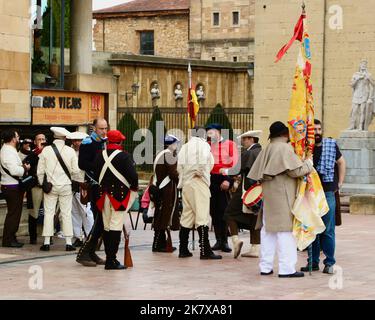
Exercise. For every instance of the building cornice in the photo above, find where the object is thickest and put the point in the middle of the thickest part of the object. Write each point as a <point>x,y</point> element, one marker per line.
<point>182,64</point>
<point>139,14</point>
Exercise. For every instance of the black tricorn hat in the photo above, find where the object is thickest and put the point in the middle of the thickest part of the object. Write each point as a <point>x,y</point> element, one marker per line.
<point>278,129</point>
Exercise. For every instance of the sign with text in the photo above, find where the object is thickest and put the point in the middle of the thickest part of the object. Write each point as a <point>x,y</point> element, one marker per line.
<point>67,107</point>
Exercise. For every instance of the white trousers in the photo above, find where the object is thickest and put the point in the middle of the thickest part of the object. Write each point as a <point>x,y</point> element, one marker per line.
<point>112,220</point>
<point>196,204</point>
<point>81,216</point>
<point>286,246</point>
<point>63,195</point>
<point>37,197</point>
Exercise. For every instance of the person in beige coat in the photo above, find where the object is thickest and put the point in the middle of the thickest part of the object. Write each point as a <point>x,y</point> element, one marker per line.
<point>278,169</point>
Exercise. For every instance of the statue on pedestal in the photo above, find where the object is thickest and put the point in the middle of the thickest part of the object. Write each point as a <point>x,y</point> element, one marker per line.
<point>200,95</point>
<point>178,97</point>
<point>363,99</point>
<point>155,94</point>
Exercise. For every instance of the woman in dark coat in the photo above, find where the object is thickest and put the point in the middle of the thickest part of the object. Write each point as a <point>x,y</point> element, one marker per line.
<point>166,216</point>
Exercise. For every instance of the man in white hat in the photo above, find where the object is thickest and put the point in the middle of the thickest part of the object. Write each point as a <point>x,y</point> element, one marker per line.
<point>236,215</point>
<point>61,180</point>
<point>82,215</point>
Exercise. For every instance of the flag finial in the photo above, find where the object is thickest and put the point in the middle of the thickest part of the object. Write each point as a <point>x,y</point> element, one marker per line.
<point>303,6</point>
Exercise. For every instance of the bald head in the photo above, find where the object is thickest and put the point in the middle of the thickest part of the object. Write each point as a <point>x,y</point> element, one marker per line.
<point>101,127</point>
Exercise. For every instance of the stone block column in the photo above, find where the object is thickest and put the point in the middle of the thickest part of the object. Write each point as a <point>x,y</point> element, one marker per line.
<point>81,37</point>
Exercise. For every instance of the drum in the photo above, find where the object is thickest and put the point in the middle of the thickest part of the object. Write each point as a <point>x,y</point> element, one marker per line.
<point>253,198</point>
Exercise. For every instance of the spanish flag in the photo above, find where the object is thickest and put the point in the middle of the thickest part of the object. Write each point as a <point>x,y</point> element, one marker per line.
<point>311,203</point>
<point>193,107</point>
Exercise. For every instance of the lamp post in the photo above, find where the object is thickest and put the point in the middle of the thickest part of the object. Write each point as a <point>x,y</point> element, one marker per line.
<point>130,95</point>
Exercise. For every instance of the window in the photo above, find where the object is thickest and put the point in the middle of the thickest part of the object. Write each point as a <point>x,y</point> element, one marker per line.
<point>235,59</point>
<point>213,58</point>
<point>147,42</point>
<point>51,31</point>
<point>216,19</point>
<point>235,18</point>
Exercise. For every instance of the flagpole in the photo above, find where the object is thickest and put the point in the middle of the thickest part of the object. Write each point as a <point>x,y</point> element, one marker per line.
<point>309,249</point>
<point>190,84</point>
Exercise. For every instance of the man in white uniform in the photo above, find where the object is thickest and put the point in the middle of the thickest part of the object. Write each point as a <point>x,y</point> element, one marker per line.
<point>81,214</point>
<point>194,165</point>
<point>61,185</point>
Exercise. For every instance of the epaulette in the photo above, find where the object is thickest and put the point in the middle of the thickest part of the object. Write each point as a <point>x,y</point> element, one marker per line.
<point>87,140</point>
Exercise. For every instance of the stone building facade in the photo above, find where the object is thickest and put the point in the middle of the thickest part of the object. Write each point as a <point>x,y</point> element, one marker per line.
<point>220,30</point>
<point>14,61</point>
<point>226,83</point>
<point>119,29</point>
<point>342,33</point>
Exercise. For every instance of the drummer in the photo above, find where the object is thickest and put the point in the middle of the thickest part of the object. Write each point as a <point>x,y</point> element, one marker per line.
<point>236,215</point>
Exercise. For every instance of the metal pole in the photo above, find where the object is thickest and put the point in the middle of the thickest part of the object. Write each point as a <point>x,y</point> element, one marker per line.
<point>310,258</point>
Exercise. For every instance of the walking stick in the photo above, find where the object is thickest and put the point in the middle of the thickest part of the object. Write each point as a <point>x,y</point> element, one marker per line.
<point>128,261</point>
<point>310,258</point>
<point>169,241</point>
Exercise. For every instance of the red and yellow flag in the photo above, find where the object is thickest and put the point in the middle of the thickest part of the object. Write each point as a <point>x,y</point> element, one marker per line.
<point>310,204</point>
<point>193,107</point>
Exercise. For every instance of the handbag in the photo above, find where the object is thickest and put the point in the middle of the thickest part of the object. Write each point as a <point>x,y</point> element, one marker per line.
<point>46,186</point>
<point>25,183</point>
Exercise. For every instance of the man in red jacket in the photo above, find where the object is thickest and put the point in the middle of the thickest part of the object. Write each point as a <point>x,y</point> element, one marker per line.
<point>226,156</point>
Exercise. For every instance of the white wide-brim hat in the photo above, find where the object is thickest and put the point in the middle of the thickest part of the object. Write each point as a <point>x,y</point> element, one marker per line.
<point>60,132</point>
<point>251,134</point>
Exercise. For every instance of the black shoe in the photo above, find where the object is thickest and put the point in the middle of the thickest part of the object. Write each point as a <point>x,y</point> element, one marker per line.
<point>44,247</point>
<point>114,265</point>
<point>329,270</point>
<point>185,254</point>
<point>216,246</point>
<point>293,275</point>
<point>212,256</point>
<point>307,269</point>
<point>78,243</point>
<point>225,247</point>
<point>13,244</point>
<point>266,273</point>
<point>69,247</point>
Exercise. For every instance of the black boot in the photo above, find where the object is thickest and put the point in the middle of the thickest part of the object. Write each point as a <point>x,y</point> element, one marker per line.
<point>83,256</point>
<point>33,229</point>
<point>224,244</point>
<point>160,241</point>
<point>217,245</point>
<point>204,243</point>
<point>184,242</point>
<point>113,242</point>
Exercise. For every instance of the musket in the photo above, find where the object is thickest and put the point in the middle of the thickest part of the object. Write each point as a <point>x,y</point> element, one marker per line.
<point>128,261</point>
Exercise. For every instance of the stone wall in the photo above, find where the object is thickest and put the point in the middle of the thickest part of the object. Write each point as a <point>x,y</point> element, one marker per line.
<point>336,54</point>
<point>226,41</point>
<point>122,35</point>
<point>14,61</point>
<point>226,83</point>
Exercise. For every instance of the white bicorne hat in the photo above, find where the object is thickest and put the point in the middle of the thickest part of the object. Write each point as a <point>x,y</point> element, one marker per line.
<point>251,134</point>
<point>77,135</point>
<point>60,132</point>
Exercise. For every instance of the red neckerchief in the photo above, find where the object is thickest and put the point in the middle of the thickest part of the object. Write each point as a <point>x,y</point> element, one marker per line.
<point>38,151</point>
<point>114,146</point>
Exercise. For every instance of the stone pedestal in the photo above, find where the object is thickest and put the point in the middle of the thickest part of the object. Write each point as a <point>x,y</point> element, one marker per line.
<point>362,204</point>
<point>358,149</point>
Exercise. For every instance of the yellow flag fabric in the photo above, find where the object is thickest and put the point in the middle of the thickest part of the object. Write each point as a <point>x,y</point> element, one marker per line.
<point>311,203</point>
<point>193,107</point>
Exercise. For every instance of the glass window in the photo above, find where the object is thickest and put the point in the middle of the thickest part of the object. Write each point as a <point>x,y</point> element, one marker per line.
<point>51,29</point>
<point>213,58</point>
<point>236,18</point>
<point>216,19</point>
<point>147,42</point>
<point>235,59</point>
